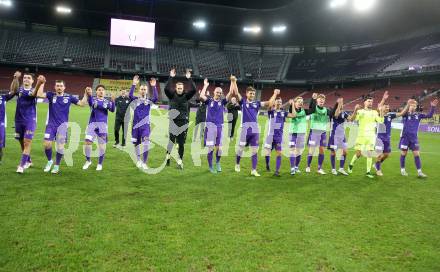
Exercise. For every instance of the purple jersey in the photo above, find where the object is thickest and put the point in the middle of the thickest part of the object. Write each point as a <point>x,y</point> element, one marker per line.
<point>3,99</point>
<point>249,110</point>
<point>100,108</point>
<point>338,123</point>
<point>384,130</point>
<point>411,122</point>
<point>26,110</point>
<point>277,118</point>
<point>142,107</point>
<point>59,107</point>
<point>215,110</point>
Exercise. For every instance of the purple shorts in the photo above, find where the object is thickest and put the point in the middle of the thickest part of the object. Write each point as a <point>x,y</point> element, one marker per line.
<point>411,143</point>
<point>249,137</point>
<point>274,143</point>
<point>336,142</point>
<point>25,130</point>
<point>2,136</point>
<point>94,132</point>
<point>213,136</point>
<point>297,140</point>
<point>317,138</point>
<point>383,145</point>
<point>53,133</point>
<point>140,134</point>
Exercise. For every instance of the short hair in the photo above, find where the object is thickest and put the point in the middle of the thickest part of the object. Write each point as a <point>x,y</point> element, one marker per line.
<point>60,81</point>
<point>250,89</point>
<point>29,74</point>
<point>100,86</point>
<point>321,96</point>
<point>179,82</point>
<point>367,97</point>
<point>298,98</point>
<point>278,98</point>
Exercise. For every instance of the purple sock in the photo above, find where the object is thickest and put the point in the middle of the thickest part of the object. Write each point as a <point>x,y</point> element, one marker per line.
<point>137,149</point>
<point>254,161</point>
<point>237,161</point>
<point>342,162</point>
<point>145,154</point>
<point>101,156</point>
<point>210,155</point>
<point>88,151</point>
<point>418,162</point>
<point>58,157</point>
<point>267,162</point>
<point>24,159</point>
<point>297,160</point>
<point>378,165</point>
<point>309,160</point>
<point>218,156</point>
<point>292,161</point>
<point>278,163</point>
<point>29,159</point>
<point>48,153</point>
<point>333,161</point>
<point>320,160</point>
<point>402,161</point>
<point>101,159</point>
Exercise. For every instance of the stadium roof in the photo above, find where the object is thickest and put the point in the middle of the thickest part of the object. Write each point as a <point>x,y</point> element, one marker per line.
<point>308,21</point>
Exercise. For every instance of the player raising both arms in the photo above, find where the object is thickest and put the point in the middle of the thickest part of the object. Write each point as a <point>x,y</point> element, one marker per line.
<point>215,108</point>
<point>26,115</point>
<point>383,142</point>
<point>178,114</point>
<point>319,119</point>
<point>337,140</point>
<point>409,137</point>
<point>298,130</point>
<point>3,121</point>
<point>368,118</point>
<point>56,125</point>
<point>140,133</point>
<point>274,140</point>
<point>250,131</point>
<point>97,128</point>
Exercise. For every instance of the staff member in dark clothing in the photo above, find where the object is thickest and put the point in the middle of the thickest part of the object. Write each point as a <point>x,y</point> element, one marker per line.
<point>200,118</point>
<point>178,114</point>
<point>121,103</point>
<point>233,108</point>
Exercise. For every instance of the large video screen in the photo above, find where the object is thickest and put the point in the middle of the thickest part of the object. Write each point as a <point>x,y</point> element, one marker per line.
<point>132,33</point>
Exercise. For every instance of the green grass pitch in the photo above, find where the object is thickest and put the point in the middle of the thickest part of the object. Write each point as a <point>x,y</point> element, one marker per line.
<point>125,220</point>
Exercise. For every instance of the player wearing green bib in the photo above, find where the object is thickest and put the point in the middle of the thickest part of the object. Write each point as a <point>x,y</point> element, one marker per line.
<point>319,120</point>
<point>367,119</point>
<point>298,130</point>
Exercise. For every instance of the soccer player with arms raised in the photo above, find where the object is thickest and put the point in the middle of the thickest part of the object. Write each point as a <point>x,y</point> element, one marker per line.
<point>140,133</point>
<point>367,119</point>
<point>3,121</point>
<point>383,142</point>
<point>97,128</point>
<point>298,130</point>
<point>215,108</point>
<point>56,125</point>
<point>26,115</point>
<point>337,140</point>
<point>319,119</point>
<point>409,139</point>
<point>250,131</point>
<point>178,113</point>
<point>274,140</point>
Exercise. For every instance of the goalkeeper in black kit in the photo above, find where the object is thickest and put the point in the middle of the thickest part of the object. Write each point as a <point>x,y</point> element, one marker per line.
<point>178,113</point>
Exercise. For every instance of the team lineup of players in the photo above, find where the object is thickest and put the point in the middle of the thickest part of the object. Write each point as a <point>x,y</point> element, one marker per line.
<point>372,136</point>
